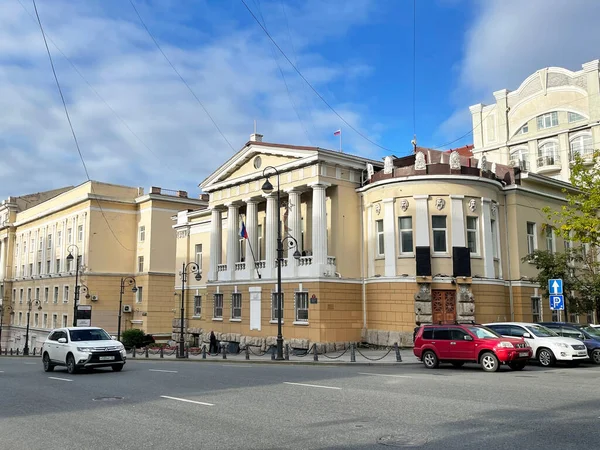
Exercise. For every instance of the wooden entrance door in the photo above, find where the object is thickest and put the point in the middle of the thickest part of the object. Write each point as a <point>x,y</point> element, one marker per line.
<point>443,306</point>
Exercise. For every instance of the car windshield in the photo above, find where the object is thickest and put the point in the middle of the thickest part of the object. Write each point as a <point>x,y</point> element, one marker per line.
<point>591,332</point>
<point>483,333</point>
<point>541,331</point>
<point>96,334</point>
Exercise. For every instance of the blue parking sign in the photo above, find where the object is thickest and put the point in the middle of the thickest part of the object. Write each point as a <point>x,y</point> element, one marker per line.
<point>557,302</point>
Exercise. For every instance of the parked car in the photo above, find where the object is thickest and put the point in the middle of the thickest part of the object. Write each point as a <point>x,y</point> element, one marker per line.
<point>548,347</point>
<point>589,335</point>
<point>461,343</point>
<point>81,347</point>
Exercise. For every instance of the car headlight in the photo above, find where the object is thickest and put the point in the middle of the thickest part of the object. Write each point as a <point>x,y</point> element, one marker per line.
<point>85,349</point>
<point>505,344</point>
<point>561,344</point>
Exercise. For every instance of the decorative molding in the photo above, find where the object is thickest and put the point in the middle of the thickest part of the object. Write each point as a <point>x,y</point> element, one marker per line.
<point>454,161</point>
<point>440,203</point>
<point>420,161</point>
<point>378,208</point>
<point>472,205</point>
<point>182,234</point>
<point>404,204</point>
<point>388,165</point>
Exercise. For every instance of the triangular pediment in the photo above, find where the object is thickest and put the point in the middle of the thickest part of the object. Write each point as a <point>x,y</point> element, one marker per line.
<point>252,160</point>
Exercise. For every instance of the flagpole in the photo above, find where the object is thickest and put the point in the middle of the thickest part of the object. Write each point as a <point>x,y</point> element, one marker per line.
<point>341,141</point>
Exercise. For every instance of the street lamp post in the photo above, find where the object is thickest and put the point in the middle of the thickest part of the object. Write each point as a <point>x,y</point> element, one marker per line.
<point>131,282</point>
<point>194,269</point>
<point>30,302</point>
<point>2,309</point>
<point>76,301</point>
<point>267,188</point>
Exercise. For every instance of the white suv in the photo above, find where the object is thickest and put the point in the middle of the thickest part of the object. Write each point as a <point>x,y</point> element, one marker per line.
<point>547,346</point>
<point>81,347</point>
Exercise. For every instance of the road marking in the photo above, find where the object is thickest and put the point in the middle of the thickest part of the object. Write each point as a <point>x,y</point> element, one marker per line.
<point>239,365</point>
<point>161,370</point>
<point>1,371</point>
<point>312,385</point>
<point>384,375</point>
<point>60,379</point>
<point>30,364</point>
<point>186,400</point>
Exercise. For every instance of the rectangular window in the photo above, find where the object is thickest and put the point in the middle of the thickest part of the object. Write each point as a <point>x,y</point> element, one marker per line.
<point>573,317</point>
<point>54,321</point>
<point>406,234</point>
<point>49,240</point>
<point>45,321</point>
<point>236,305</point>
<point>140,263</point>
<point>197,305</point>
<point>59,238</point>
<point>37,294</point>
<point>380,237</point>
<point>55,300</point>
<point>80,233</point>
<point>554,316</point>
<point>64,320</point>
<point>41,244</point>
<point>36,319</point>
<point>139,295</point>
<point>20,317</point>
<point>14,295</point>
<point>242,249</point>
<point>590,317</point>
<point>536,309</point>
<point>259,250</point>
<point>218,306</point>
<point>31,247</point>
<point>46,294</point>
<point>28,294</point>
<point>48,263</point>
<point>66,294</point>
<point>39,268</point>
<point>69,235</point>
<point>274,308</point>
<point>57,265</point>
<point>550,243</point>
<point>198,257</point>
<point>30,269</point>
<point>23,274</point>
<point>547,120</point>
<point>301,306</point>
<point>531,244</point>
<point>142,233</point>
<point>69,264</point>
<point>438,225</point>
<point>494,228</point>
<point>21,295</point>
<point>472,235</point>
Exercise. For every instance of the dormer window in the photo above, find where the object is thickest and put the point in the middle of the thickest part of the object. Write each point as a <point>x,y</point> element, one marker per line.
<point>548,120</point>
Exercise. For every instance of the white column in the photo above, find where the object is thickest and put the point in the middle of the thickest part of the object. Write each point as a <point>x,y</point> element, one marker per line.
<point>2,260</point>
<point>64,246</point>
<point>271,235</point>
<point>457,221</point>
<point>294,217</point>
<point>252,230</point>
<point>319,224</point>
<point>370,243</point>
<point>233,237</point>
<point>486,232</point>
<point>216,228</point>
<point>421,220</point>
<point>389,237</point>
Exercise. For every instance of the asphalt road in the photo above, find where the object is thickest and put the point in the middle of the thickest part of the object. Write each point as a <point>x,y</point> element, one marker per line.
<point>190,405</point>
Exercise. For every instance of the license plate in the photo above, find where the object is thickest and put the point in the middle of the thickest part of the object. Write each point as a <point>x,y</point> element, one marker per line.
<point>582,353</point>
<point>106,358</point>
<point>523,354</point>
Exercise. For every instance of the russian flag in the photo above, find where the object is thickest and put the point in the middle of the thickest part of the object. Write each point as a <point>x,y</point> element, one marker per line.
<point>337,133</point>
<point>243,232</point>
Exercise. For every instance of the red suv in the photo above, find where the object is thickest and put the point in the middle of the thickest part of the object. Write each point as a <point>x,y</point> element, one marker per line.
<point>461,343</point>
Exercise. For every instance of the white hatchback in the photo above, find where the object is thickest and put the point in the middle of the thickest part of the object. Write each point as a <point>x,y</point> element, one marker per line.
<point>80,347</point>
<point>548,347</point>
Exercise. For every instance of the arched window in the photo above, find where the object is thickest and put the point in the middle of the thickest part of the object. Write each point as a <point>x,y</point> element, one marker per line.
<point>548,154</point>
<point>519,157</point>
<point>582,145</point>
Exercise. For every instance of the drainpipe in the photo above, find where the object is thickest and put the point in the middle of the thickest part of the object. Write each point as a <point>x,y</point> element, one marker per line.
<point>510,285</point>
<point>362,261</point>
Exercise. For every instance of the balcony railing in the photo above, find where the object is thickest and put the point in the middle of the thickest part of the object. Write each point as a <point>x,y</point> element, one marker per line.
<point>260,264</point>
<point>548,160</point>
<point>331,260</point>
<point>586,153</point>
<point>305,261</point>
<point>240,266</point>
<point>222,268</point>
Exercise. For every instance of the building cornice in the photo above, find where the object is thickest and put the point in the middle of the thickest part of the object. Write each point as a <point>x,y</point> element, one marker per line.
<point>460,179</point>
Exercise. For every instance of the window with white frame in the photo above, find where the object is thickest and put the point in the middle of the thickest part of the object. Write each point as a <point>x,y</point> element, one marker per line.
<point>14,295</point>
<point>55,300</point>
<point>380,237</point>
<point>547,120</point>
<point>59,238</point>
<point>274,309</point>
<point>550,242</point>
<point>524,129</point>
<point>41,244</point>
<point>39,268</point>
<point>80,233</point>
<point>236,305</point>
<point>259,251</point>
<point>575,117</point>
<point>197,305</point>
<point>65,294</point>
<point>494,227</point>
<point>36,319</point>
<point>28,294</point>
<point>46,294</point>
<point>301,306</point>
<point>49,241</point>
<point>198,253</point>
<point>21,295</point>
<point>520,157</point>
<point>590,317</point>
<point>531,238</point>
<point>139,295</point>
<point>548,154</point>
<point>438,226</point>
<point>142,233</point>
<point>54,321</point>
<point>64,320</point>
<point>48,264</point>
<point>45,321</point>
<point>472,235</point>
<point>536,309</point>
<point>582,145</point>
<point>69,235</point>
<point>218,306</point>
<point>140,264</point>
<point>37,294</point>
<point>57,265</point>
<point>30,269</point>
<point>20,317</point>
<point>31,248</point>
<point>242,249</point>
<point>406,234</point>
<point>573,317</point>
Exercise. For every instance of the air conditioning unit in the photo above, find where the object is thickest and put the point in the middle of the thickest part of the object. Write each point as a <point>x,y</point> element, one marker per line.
<point>94,298</point>
<point>126,308</point>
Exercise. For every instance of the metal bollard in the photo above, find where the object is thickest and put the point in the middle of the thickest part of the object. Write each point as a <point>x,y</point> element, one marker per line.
<point>352,353</point>
<point>315,354</point>
<point>204,352</point>
<point>272,353</point>
<point>397,349</point>
<point>187,351</point>
<point>162,352</point>
<point>224,349</point>
<point>287,352</point>
<point>17,352</point>
<point>33,351</point>
<point>133,354</point>
<point>247,352</point>
<point>146,352</point>
<point>11,351</point>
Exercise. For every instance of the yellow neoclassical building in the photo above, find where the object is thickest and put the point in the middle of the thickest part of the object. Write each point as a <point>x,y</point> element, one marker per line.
<point>113,233</point>
<point>429,237</point>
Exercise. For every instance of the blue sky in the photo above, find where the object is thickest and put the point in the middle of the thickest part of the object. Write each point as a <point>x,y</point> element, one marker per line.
<point>145,128</point>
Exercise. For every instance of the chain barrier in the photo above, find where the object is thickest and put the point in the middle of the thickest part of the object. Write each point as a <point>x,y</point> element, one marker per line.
<point>249,347</point>
<point>374,359</point>
<point>307,352</point>
<point>336,357</point>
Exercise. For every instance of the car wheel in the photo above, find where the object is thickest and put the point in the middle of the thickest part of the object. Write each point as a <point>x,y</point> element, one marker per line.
<point>117,367</point>
<point>71,367</point>
<point>546,357</point>
<point>489,362</point>
<point>430,360</point>
<point>48,366</point>
<point>516,365</point>
<point>596,356</point>
<point>458,363</point>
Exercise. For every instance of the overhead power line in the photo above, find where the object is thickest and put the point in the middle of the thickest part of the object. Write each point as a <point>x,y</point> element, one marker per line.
<point>180,76</point>
<point>309,84</point>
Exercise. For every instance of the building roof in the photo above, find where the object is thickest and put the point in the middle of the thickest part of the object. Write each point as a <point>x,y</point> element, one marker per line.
<point>465,150</point>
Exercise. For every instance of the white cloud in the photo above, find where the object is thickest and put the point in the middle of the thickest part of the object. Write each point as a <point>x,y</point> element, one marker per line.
<point>230,68</point>
<point>511,39</point>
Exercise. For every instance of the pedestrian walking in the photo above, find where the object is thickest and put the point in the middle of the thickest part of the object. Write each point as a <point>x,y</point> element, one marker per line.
<point>213,347</point>
<point>418,323</point>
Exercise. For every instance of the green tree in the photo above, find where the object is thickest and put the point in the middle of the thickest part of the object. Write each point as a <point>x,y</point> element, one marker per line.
<point>132,338</point>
